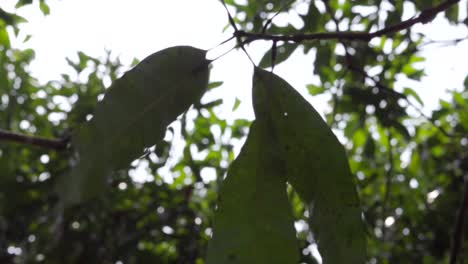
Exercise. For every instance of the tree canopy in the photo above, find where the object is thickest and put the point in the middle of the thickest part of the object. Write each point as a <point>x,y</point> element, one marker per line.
<point>376,181</point>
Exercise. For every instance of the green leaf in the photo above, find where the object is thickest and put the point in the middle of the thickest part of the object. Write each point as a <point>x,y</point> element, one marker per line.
<point>4,38</point>
<point>236,104</point>
<point>214,85</point>
<point>414,94</point>
<point>254,217</point>
<point>315,90</point>
<point>317,168</point>
<point>10,19</point>
<point>452,14</point>
<point>254,222</point>
<point>133,115</point>
<point>282,53</point>
<point>44,7</point>
<point>23,3</point>
<point>312,19</point>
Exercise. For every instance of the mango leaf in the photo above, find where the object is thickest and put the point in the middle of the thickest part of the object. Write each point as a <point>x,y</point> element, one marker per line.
<point>317,168</point>
<point>134,114</point>
<point>254,222</point>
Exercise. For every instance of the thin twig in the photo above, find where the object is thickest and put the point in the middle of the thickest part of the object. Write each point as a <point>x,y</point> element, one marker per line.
<point>222,43</point>
<point>457,241</point>
<point>269,21</point>
<point>424,17</point>
<point>236,30</point>
<point>57,144</point>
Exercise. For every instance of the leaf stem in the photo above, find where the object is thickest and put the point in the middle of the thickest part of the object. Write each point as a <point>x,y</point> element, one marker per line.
<point>56,144</point>
<point>424,17</point>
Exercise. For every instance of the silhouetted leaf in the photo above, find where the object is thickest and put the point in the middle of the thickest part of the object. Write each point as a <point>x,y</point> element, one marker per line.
<point>133,115</point>
<point>312,19</point>
<point>317,168</point>
<point>282,53</point>
<point>254,223</point>
<point>452,14</point>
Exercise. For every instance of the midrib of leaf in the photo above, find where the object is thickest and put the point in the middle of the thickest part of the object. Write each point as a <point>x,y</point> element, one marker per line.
<point>147,109</point>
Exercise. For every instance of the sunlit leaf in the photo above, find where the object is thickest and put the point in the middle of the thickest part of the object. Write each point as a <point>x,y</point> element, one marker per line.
<point>133,115</point>
<point>312,19</point>
<point>315,89</point>
<point>414,94</point>
<point>254,223</point>
<point>21,3</point>
<point>317,168</point>
<point>236,104</point>
<point>44,7</point>
<point>214,85</point>
<point>4,37</point>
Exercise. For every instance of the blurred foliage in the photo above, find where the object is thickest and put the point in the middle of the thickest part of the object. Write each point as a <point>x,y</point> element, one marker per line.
<point>409,168</point>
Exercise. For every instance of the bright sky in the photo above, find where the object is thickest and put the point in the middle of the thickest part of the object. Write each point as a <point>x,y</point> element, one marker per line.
<point>138,28</point>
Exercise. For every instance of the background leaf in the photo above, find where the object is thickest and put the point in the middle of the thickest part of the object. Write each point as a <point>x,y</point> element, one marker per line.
<point>282,53</point>
<point>315,89</point>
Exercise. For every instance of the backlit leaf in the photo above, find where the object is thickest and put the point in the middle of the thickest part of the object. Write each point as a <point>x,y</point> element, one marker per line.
<point>133,115</point>
<point>317,168</point>
<point>282,53</point>
<point>254,223</point>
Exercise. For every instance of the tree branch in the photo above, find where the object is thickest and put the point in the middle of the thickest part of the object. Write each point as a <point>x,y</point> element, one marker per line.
<point>57,144</point>
<point>457,242</point>
<point>424,17</point>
